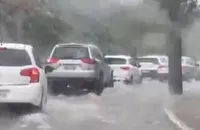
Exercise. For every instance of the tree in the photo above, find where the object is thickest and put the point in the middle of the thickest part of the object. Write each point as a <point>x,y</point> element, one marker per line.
<point>178,12</point>
<point>45,29</point>
<point>33,22</point>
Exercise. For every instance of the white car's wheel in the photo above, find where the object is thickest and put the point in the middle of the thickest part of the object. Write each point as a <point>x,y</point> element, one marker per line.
<point>43,101</point>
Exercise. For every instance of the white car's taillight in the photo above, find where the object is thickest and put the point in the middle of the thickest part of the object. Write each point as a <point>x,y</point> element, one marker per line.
<point>161,66</point>
<point>52,60</point>
<point>33,73</point>
<point>126,68</point>
<point>88,64</point>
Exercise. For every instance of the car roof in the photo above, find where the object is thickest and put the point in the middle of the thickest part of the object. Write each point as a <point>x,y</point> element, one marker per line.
<point>154,56</point>
<point>18,46</point>
<point>76,44</point>
<point>118,56</point>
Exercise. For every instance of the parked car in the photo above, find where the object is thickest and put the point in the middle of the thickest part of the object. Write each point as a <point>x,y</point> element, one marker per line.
<point>23,81</point>
<point>154,66</point>
<point>189,68</point>
<point>125,69</point>
<point>76,63</point>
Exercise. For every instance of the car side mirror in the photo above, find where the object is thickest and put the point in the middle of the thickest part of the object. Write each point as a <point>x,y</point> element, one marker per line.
<point>48,69</point>
<point>138,65</point>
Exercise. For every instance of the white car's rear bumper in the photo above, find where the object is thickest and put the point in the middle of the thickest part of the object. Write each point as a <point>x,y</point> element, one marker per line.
<point>121,77</point>
<point>21,94</point>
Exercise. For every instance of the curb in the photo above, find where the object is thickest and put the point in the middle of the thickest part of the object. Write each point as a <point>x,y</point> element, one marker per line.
<point>175,120</point>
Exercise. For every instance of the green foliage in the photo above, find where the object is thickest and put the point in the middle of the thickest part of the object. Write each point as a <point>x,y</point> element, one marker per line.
<point>102,34</point>
<point>45,29</point>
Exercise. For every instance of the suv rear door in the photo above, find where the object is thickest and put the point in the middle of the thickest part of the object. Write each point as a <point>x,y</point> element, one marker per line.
<point>12,62</point>
<point>71,58</point>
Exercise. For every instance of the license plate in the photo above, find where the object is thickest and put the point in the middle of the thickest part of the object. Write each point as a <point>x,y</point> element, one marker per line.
<point>3,93</point>
<point>145,71</point>
<point>69,67</point>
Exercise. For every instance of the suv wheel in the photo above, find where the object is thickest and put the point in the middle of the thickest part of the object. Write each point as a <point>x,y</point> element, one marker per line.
<point>99,86</point>
<point>55,88</point>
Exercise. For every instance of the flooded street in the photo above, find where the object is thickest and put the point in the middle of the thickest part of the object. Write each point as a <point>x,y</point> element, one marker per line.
<point>124,107</point>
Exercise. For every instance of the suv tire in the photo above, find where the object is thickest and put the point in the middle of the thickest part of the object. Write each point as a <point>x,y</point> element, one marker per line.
<point>98,86</point>
<point>55,88</point>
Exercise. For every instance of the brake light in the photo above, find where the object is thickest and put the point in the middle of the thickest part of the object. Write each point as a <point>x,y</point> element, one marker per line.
<point>88,61</point>
<point>52,60</point>
<point>33,73</point>
<point>125,68</point>
<point>3,48</point>
<point>160,66</point>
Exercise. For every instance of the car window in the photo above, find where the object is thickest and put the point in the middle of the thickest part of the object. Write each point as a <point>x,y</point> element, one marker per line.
<point>97,53</point>
<point>132,62</point>
<point>118,61</point>
<point>164,60</point>
<point>37,58</point>
<point>14,57</point>
<point>71,52</point>
<point>190,62</point>
<point>148,60</point>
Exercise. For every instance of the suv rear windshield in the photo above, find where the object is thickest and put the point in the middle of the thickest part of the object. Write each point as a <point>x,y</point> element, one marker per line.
<point>148,60</point>
<point>116,61</point>
<point>71,52</point>
<point>14,57</point>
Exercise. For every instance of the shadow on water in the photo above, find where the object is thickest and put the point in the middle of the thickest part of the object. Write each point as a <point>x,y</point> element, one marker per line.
<point>69,90</point>
<point>16,111</point>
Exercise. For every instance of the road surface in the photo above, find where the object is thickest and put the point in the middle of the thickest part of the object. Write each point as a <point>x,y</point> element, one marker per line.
<point>139,107</point>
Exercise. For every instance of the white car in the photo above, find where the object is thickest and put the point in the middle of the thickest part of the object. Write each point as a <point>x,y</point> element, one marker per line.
<point>154,66</point>
<point>125,68</point>
<point>22,80</point>
<point>189,68</point>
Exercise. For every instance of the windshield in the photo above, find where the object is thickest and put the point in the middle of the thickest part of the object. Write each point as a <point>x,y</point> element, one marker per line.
<point>115,61</point>
<point>13,57</point>
<point>70,52</point>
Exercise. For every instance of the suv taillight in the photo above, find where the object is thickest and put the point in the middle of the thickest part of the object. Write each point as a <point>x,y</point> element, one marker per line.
<point>88,61</point>
<point>33,73</point>
<point>52,60</point>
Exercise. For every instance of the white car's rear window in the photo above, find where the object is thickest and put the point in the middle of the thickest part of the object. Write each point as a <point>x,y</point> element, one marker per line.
<point>116,61</point>
<point>164,60</point>
<point>148,60</point>
<point>71,52</point>
<point>14,57</point>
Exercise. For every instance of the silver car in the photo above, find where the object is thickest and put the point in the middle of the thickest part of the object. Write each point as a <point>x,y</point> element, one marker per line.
<point>76,63</point>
